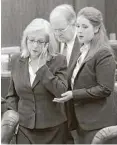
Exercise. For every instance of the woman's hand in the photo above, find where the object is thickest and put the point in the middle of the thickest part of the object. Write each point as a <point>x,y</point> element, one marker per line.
<point>43,56</point>
<point>65,97</point>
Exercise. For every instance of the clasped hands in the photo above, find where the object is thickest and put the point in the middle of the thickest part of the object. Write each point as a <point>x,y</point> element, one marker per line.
<point>65,97</point>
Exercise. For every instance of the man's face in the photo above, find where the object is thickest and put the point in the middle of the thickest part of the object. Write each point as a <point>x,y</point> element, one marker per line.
<point>62,29</point>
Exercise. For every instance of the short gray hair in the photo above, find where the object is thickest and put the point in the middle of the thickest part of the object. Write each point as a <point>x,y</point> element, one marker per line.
<point>67,11</point>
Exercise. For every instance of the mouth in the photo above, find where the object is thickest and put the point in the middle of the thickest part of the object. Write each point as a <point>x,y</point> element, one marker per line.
<point>35,51</point>
<point>80,37</point>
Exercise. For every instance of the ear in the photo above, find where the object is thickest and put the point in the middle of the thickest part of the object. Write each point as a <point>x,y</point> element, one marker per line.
<point>96,29</point>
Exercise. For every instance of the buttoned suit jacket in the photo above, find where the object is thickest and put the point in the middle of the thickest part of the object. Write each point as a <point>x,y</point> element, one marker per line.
<point>35,103</point>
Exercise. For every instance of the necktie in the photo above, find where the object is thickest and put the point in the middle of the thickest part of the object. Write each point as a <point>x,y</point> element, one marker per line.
<point>65,50</point>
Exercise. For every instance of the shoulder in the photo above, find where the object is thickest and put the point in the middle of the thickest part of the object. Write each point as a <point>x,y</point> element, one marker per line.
<point>15,60</point>
<point>16,57</point>
<point>58,61</point>
<point>59,58</point>
<point>104,51</point>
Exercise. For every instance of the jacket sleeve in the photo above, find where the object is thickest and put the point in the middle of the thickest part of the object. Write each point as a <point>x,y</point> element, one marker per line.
<point>56,82</point>
<point>12,97</point>
<point>105,72</point>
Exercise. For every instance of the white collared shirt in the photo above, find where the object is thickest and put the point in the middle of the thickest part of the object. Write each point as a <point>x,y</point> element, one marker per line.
<point>32,74</point>
<point>84,51</point>
<point>69,48</point>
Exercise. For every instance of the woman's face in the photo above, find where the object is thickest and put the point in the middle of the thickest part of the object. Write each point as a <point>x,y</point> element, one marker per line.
<point>36,42</point>
<point>85,30</point>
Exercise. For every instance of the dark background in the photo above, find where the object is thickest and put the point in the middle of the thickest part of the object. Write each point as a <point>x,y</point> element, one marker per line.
<point>17,14</point>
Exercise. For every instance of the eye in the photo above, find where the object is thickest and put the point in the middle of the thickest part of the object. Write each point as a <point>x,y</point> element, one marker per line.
<point>77,25</point>
<point>85,26</point>
<point>31,41</point>
<point>40,42</point>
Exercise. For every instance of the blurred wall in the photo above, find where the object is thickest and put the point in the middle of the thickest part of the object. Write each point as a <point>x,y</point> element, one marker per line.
<point>17,14</point>
<point>111,16</point>
<point>99,4</point>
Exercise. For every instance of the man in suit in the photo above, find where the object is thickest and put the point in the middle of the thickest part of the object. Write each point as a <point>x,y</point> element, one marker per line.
<point>62,20</point>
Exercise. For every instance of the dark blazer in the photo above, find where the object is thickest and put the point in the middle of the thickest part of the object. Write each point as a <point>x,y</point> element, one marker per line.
<point>34,103</point>
<point>70,111</point>
<point>93,87</point>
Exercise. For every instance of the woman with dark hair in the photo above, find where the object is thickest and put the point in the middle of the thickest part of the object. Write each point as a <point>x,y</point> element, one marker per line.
<point>92,76</point>
<point>38,76</point>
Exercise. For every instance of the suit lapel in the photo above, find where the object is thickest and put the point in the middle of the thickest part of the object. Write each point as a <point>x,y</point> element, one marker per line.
<point>74,56</point>
<point>73,59</point>
<point>75,51</point>
<point>37,79</point>
<point>25,71</point>
<point>89,55</point>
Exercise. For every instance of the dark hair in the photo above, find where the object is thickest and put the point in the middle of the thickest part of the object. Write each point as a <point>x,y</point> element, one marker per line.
<point>96,19</point>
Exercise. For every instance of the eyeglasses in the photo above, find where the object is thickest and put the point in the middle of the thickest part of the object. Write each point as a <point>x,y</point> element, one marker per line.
<point>32,41</point>
<point>61,30</point>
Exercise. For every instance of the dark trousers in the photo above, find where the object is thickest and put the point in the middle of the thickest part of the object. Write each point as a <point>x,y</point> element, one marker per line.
<point>53,135</point>
<point>85,136</point>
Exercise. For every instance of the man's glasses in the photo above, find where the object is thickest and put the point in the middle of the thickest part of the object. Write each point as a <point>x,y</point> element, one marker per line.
<point>61,30</point>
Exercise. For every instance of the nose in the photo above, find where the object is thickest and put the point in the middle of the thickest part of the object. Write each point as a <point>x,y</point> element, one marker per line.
<point>79,30</point>
<point>57,32</point>
<point>35,44</point>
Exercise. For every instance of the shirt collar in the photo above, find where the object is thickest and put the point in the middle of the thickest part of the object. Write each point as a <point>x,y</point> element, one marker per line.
<point>85,48</point>
<point>29,61</point>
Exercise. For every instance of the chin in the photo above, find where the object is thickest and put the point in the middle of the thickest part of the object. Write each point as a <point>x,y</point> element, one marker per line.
<point>62,40</point>
<point>35,56</point>
<point>81,42</point>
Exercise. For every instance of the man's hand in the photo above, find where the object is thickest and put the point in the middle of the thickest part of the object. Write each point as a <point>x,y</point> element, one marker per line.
<point>65,97</point>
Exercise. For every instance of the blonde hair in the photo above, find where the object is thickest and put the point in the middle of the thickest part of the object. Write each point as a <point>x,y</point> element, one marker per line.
<point>67,11</point>
<point>96,19</point>
<point>38,25</point>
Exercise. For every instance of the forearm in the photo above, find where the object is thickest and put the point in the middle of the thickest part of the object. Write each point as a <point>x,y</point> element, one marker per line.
<point>96,92</point>
<point>54,83</point>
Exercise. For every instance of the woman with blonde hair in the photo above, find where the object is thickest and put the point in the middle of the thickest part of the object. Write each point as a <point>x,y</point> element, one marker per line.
<point>38,76</point>
<point>92,77</point>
